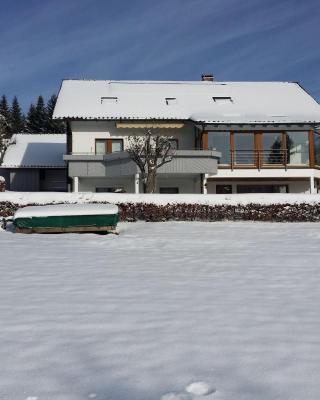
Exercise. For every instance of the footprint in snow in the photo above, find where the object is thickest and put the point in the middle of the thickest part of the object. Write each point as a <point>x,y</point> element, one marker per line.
<point>200,388</point>
<point>32,398</point>
<point>176,396</point>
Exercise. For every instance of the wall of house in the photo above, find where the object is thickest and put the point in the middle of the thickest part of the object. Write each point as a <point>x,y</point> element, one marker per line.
<point>91,184</point>
<point>84,134</point>
<point>293,186</point>
<point>35,179</point>
<point>189,184</point>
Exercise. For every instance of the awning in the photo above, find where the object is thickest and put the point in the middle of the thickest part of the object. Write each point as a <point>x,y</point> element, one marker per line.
<point>150,125</point>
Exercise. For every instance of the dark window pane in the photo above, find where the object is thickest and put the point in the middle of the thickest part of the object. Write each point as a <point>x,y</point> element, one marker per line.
<point>223,189</point>
<point>273,152</point>
<point>244,148</point>
<point>220,141</point>
<point>262,189</point>
<point>317,148</point>
<point>169,190</point>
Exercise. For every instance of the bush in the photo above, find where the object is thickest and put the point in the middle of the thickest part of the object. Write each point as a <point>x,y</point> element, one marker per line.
<point>198,212</point>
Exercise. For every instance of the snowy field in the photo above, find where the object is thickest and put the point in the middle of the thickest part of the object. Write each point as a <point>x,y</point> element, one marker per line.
<point>143,315</point>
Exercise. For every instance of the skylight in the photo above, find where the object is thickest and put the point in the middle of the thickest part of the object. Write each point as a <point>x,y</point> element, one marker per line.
<point>109,100</point>
<point>222,100</point>
<point>170,101</point>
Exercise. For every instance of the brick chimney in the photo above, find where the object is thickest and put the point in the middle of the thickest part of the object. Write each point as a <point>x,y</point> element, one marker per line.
<point>207,77</point>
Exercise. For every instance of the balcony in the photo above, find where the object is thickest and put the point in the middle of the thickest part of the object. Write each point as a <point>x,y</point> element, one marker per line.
<point>279,158</point>
<point>120,164</point>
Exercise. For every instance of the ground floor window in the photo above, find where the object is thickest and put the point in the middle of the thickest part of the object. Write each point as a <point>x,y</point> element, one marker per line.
<point>169,190</point>
<point>110,190</point>
<point>223,189</point>
<point>262,189</point>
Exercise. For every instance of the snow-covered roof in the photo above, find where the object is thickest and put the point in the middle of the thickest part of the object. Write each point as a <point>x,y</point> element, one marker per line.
<point>35,150</point>
<point>200,101</point>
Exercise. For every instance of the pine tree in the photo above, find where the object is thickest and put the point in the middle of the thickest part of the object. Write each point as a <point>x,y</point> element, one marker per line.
<point>5,115</point>
<point>37,117</point>
<point>31,121</point>
<point>16,117</point>
<point>53,126</point>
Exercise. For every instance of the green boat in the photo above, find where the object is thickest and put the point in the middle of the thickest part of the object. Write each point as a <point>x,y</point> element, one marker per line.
<point>63,218</point>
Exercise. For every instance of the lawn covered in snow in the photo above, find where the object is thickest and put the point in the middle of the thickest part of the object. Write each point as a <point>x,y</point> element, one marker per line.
<point>160,307</point>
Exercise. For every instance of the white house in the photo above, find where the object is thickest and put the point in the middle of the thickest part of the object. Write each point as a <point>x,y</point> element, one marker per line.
<point>265,133</point>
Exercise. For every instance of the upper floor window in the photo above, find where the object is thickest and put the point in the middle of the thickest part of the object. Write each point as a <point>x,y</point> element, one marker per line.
<point>297,148</point>
<point>222,100</point>
<point>170,101</point>
<point>220,141</point>
<point>109,100</point>
<point>104,146</point>
<point>273,148</point>
<point>317,148</point>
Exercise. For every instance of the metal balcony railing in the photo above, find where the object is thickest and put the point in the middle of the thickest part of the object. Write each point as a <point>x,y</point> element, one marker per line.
<point>259,158</point>
<point>268,158</point>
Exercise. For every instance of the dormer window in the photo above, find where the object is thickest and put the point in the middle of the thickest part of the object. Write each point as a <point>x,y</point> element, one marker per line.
<point>109,100</point>
<point>222,100</point>
<point>170,101</point>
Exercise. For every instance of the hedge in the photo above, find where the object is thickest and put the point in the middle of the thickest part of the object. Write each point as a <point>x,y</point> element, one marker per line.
<point>302,212</point>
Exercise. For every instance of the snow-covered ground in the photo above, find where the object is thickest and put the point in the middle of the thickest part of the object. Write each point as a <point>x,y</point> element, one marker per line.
<point>148,314</point>
<point>24,198</point>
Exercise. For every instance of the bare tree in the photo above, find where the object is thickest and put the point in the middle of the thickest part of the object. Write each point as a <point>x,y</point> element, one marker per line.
<point>150,151</point>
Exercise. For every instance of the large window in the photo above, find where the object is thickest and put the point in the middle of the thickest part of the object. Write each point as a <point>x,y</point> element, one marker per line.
<point>297,148</point>
<point>273,148</point>
<point>317,148</point>
<point>262,189</point>
<point>244,148</point>
<point>220,141</point>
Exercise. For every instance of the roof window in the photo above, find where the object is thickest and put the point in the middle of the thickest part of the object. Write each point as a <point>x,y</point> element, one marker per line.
<point>170,101</point>
<point>109,100</point>
<point>222,100</point>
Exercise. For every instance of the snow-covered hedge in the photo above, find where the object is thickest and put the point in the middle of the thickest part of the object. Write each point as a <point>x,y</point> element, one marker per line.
<point>283,212</point>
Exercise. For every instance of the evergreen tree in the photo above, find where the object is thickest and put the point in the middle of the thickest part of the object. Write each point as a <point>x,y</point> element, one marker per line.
<point>31,121</point>
<point>5,115</point>
<point>37,117</point>
<point>17,118</point>
<point>53,126</point>
<point>4,108</point>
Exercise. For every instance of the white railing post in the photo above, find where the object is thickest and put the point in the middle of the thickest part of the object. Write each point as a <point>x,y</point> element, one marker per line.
<point>137,183</point>
<point>204,184</point>
<point>313,189</point>
<point>76,184</point>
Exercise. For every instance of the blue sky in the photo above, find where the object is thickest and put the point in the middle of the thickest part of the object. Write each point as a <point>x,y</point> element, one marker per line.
<point>43,42</point>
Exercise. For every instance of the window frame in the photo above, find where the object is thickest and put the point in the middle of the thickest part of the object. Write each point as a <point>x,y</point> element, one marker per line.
<point>108,144</point>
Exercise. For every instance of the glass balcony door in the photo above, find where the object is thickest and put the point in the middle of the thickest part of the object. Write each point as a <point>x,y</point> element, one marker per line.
<point>273,149</point>
<point>244,148</point>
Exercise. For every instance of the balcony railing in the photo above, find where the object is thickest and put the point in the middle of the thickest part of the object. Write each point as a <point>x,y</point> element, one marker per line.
<point>280,158</point>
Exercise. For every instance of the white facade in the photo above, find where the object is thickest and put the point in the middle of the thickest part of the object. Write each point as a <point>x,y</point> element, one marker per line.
<point>85,133</point>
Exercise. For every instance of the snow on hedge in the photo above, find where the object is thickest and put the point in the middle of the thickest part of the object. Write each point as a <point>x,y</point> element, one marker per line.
<point>24,198</point>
